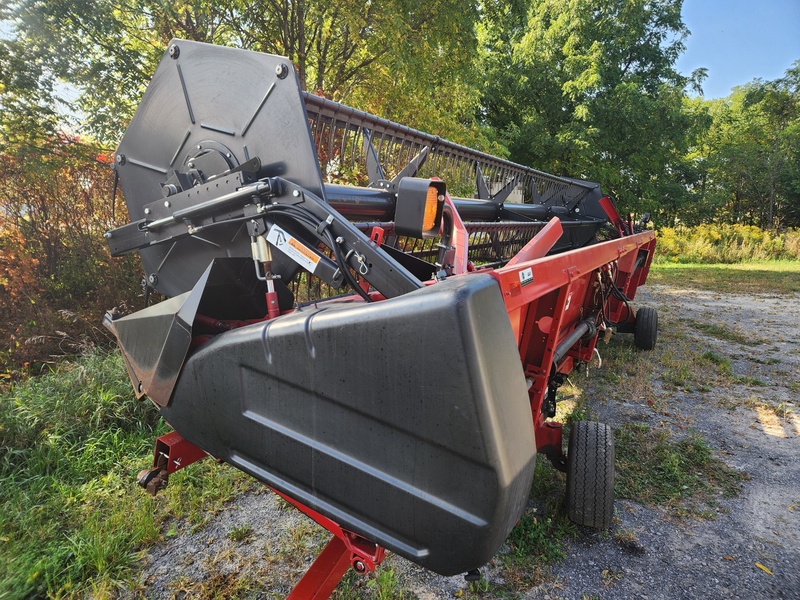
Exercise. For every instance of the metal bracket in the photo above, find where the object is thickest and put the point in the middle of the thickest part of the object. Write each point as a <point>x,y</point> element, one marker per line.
<point>345,549</point>
<point>172,453</point>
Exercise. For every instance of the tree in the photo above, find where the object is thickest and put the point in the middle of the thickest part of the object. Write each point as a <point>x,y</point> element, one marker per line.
<point>589,89</point>
<point>346,50</point>
<point>753,157</point>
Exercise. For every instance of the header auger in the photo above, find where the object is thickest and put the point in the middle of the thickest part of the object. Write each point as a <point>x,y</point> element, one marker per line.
<point>347,328</point>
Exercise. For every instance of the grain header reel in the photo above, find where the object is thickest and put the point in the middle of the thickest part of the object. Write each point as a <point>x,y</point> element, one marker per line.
<point>371,320</point>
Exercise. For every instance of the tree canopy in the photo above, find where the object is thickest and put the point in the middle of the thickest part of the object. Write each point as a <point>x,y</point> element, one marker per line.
<point>372,53</point>
<point>590,89</point>
<point>752,153</point>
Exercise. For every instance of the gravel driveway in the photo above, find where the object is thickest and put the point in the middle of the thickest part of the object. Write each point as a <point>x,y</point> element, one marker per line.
<point>751,549</point>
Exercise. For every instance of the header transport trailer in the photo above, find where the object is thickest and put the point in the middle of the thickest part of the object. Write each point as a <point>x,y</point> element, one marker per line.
<point>379,351</point>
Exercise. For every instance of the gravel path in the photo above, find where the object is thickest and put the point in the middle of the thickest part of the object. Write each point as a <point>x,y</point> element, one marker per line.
<point>658,556</point>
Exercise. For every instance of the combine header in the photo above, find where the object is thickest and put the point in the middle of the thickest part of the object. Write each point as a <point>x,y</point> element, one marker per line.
<point>345,327</point>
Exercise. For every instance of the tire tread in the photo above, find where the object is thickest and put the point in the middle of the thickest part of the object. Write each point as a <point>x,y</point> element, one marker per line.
<point>590,474</point>
<point>645,333</point>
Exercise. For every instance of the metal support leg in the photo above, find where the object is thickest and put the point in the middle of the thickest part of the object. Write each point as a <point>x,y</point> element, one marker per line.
<point>324,574</point>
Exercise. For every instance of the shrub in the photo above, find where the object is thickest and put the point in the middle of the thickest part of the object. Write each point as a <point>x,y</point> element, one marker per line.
<point>56,275</point>
<point>711,243</point>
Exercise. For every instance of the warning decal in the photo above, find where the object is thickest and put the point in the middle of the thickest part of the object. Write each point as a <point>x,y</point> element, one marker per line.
<point>526,276</point>
<point>293,248</point>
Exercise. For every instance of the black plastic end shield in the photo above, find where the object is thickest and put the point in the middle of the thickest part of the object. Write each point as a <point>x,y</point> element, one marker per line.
<point>154,341</point>
<point>207,110</point>
<point>406,421</point>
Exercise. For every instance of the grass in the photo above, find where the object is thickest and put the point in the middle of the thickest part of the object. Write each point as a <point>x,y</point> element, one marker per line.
<point>722,362</point>
<point>654,466</point>
<point>382,584</point>
<point>683,474</point>
<point>724,333</point>
<point>73,524</point>
<point>240,533</point>
<point>539,535</point>
<point>538,540</point>
<point>386,586</point>
<point>680,362</point>
<point>767,277</point>
<point>72,521</point>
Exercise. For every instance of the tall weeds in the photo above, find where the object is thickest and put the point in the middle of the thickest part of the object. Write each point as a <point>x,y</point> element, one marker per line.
<point>72,520</point>
<point>68,442</point>
<point>725,244</point>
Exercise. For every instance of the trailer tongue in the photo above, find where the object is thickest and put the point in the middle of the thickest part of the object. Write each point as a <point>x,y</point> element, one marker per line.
<point>385,356</point>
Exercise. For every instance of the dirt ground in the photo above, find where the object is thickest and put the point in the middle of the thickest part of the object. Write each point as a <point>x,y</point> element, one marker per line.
<point>749,549</point>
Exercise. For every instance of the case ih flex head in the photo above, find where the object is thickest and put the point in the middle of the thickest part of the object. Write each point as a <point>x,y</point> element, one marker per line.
<point>385,356</point>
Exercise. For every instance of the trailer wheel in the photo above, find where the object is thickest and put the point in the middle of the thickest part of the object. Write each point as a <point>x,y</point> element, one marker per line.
<point>590,474</point>
<point>645,333</point>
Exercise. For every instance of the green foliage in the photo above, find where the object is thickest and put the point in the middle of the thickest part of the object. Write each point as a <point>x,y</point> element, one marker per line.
<point>652,468</point>
<point>386,585</point>
<point>539,537</point>
<point>722,243</point>
<point>388,57</point>
<point>722,362</point>
<point>751,154</point>
<point>69,441</point>
<point>590,89</point>
<point>71,519</point>
<point>773,277</point>
<point>240,533</point>
<point>725,333</point>
<point>196,494</point>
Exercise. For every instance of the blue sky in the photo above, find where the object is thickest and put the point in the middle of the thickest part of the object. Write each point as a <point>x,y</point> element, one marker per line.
<point>739,40</point>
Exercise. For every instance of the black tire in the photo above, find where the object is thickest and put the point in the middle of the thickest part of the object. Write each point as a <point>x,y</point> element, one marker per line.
<point>590,474</point>
<point>645,333</point>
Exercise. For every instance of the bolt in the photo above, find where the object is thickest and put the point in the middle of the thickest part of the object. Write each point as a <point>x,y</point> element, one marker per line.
<point>121,159</point>
<point>167,204</point>
<point>152,279</point>
<point>340,240</point>
<point>359,566</point>
<point>190,165</point>
<point>296,193</point>
<point>147,211</point>
<point>281,70</point>
<point>174,52</point>
<point>140,387</point>
<point>107,235</point>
